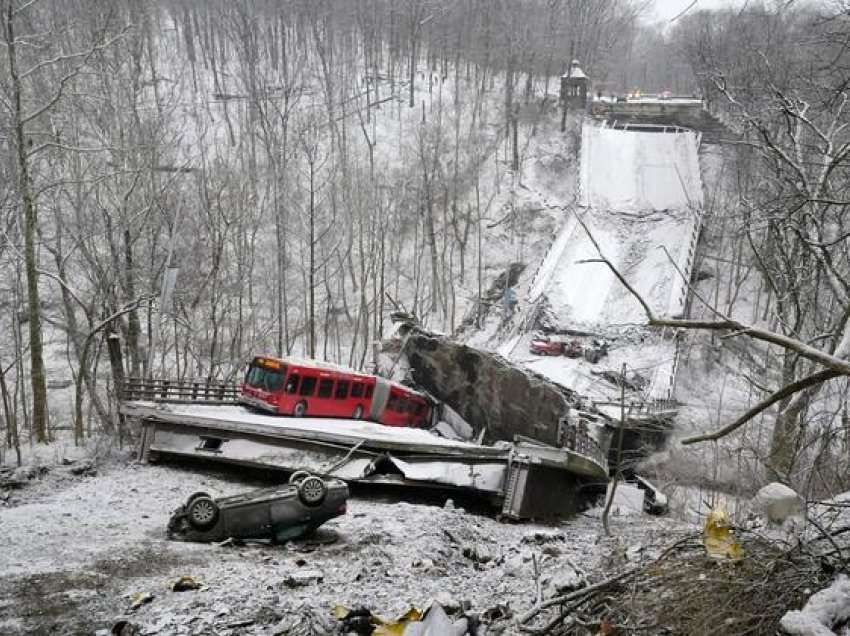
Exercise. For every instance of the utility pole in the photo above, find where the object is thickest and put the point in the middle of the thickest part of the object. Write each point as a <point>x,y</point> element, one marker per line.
<point>618,473</point>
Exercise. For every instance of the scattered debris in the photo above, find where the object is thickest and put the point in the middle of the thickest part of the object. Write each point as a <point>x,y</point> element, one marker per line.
<point>303,578</point>
<point>633,381</point>
<point>719,538</point>
<point>655,501</point>
<point>125,628</point>
<point>83,469</point>
<point>185,583</point>
<point>477,553</point>
<point>363,621</point>
<point>499,612</point>
<point>140,598</point>
<point>542,537</point>
<point>434,621</point>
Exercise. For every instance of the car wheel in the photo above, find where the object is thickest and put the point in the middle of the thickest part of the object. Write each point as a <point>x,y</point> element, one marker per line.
<point>358,412</point>
<point>300,409</point>
<point>298,476</point>
<point>202,513</point>
<point>195,495</point>
<point>312,491</point>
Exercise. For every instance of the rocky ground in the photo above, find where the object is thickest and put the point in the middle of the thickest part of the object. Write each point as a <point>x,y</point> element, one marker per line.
<point>79,541</point>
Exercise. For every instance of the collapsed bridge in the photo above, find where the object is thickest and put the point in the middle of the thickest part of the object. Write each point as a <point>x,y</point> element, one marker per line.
<point>203,420</point>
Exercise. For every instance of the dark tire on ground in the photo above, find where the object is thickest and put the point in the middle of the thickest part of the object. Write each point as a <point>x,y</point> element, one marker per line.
<point>312,490</point>
<point>202,513</point>
<point>300,409</point>
<point>358,412</point>
<point>298,476</point>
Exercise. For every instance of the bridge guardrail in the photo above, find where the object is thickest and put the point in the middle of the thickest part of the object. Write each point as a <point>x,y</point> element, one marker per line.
<point>180,391</point>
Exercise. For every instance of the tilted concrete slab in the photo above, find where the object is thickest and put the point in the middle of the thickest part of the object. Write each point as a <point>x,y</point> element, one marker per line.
<point>352,450</point>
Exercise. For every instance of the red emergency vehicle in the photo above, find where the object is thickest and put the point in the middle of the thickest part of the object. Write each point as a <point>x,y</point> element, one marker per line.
<point>318,389</point>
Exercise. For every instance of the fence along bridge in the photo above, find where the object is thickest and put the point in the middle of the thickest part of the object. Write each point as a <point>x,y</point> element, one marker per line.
<point>202,419</point>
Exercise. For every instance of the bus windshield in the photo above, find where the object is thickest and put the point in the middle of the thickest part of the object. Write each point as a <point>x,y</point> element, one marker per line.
<point>266,379</point>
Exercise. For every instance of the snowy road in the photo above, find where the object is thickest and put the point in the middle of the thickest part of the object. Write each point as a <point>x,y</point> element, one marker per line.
<point>640,192</point>
<point>640,198</point>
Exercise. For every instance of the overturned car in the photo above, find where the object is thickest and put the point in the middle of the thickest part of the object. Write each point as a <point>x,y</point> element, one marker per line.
<point>279,513</point>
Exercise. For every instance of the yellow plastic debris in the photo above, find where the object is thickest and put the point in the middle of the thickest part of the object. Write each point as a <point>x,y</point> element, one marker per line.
<point>719,539</point>
<point>383,626</point>
<point>397,626</point>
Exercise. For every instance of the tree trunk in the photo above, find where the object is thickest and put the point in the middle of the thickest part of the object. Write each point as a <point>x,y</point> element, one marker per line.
<point>39,388</point>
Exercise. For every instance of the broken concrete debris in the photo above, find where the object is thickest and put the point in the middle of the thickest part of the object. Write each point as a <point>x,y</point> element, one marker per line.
<point>303,578</point>
<point>486,390</point>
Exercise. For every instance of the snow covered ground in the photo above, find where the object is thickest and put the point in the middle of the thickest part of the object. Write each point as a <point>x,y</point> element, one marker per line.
<point>75,551</point>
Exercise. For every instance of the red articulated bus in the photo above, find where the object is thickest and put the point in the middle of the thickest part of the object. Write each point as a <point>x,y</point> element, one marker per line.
<point>318,389</point>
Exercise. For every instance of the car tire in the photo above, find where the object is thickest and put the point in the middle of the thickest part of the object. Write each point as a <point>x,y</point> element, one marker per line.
<point>300,409</point>
<point>195,495</point>
<point>297,477</point>
<point>358,412</point>
<point>312,491</point>
<point>202,513</point>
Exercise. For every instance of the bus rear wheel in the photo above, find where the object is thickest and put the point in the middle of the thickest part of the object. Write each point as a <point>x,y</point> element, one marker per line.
<point>300,409</point>
<point>358,412</point>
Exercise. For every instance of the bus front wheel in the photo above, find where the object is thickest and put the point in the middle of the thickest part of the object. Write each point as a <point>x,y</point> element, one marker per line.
<point>300,409</point>
<point>358,412</point>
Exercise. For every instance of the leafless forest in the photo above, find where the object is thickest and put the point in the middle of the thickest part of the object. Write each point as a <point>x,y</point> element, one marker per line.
<point>207,180</point>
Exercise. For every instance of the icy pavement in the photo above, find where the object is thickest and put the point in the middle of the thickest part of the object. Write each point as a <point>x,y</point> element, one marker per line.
<point>73,557</point>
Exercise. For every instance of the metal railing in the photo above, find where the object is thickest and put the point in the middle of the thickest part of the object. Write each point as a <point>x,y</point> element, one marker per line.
<point>166,390</point>
<point>578,439</point>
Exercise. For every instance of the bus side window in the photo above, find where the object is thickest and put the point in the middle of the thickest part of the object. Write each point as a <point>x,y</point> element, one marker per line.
<point>341,389</point>
<point>369,390</point>
<point>392,403</point>
<point>307,385</point>
<point>326,388</point>
<point>419,408</point>
<point>357,390</point>
<point>292,383</point>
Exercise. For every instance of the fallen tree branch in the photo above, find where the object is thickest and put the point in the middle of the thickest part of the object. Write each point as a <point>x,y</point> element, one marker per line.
<point>578,597</point>
<point>784,392</point>
<point>835,366</point>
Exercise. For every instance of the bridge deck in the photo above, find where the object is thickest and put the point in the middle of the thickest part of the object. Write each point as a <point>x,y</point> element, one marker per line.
<point>354,450</point>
